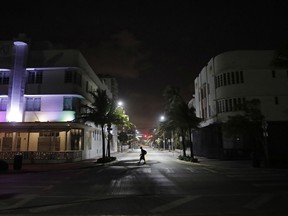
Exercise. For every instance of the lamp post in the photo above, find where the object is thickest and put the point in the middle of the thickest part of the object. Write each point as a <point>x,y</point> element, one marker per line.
<point>162,119</point>
<point>120,106</point>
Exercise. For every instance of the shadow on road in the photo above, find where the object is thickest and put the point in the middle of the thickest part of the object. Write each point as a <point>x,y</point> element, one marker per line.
<point>134,162</point>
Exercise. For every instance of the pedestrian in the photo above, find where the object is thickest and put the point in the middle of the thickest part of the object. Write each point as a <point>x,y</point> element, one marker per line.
<point>142,155</point>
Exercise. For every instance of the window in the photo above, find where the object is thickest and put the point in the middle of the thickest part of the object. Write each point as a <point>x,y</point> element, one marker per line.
<point>67,103</point>
<point>235,105</point>
<point>4,78</point>
<point>204,91</point>
<point>70,103</point>
<point>202,95</point>
<point>237,77</point>
<point>68,76</point>
<point>79,80</point>
<point>221,80</point>
<point>9,134</point>
<point>48,134</point>
<point>230,107</point>
<point>3,104</point>
<point>72,76</point>
<point>239,102</point>
<point>232,78</point>
<point>241,77</point>
<point>33,104</point>
<point>35,77</point>
<point>228,78</point>
<point>224,79</point>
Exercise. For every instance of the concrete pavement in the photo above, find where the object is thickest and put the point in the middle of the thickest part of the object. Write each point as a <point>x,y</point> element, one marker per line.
<point>93,162</point>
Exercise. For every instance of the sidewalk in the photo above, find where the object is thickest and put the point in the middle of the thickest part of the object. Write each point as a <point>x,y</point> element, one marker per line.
<point>47,167</point>
<point>209,162</point>
<point>25,168</point>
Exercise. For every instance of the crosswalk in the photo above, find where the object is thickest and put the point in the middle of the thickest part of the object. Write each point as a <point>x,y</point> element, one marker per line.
<point>167,170</point>
<point>255,177</point>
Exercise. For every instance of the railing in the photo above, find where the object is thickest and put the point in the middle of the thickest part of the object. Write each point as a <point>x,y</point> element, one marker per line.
<point>43,157</point>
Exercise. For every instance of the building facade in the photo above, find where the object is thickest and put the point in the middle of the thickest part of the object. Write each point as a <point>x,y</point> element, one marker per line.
<point>229,80</point>
<point>40,93</point>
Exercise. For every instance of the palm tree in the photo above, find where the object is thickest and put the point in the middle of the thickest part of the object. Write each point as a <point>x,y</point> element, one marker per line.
<point>103,112</point>
<point>116,116</point>
<point>184,118</point>
<point>180,117</point>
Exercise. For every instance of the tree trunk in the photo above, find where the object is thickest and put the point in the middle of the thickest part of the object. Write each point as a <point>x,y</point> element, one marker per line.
<point>103,141</point>
<point>108,142</point>
<point>183,143</point>
<point>191,144</point>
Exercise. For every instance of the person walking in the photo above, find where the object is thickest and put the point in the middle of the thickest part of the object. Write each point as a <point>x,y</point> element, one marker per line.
<point>142,155</point>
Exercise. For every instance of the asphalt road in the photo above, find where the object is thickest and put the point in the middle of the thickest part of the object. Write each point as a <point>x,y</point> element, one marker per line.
<point>163,186</point>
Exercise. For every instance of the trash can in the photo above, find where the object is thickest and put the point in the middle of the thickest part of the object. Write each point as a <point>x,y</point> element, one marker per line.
<point>18,162</point>
<point>4,166</point>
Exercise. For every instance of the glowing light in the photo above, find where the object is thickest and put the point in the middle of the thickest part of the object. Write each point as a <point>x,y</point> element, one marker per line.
<point>68,116</point>
<point>14,116</point>
<point>14,109</point>
<point>2,116</point>
<point>63,116</point>
<point>19,43</point>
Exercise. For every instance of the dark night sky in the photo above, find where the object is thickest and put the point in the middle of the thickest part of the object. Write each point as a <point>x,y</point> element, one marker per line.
<point>150,44</point>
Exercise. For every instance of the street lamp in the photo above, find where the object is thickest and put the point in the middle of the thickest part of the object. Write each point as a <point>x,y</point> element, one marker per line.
<point>170,138</point>
<point>120,104</point>
<point>162,119</point>
<point>121,109</point>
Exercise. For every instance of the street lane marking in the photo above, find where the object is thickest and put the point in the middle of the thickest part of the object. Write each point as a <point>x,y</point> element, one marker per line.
<point>174,204</point>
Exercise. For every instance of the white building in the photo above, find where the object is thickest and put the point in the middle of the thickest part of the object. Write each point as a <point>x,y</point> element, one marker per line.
<point>40,93</point>
<point>232,78</point>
